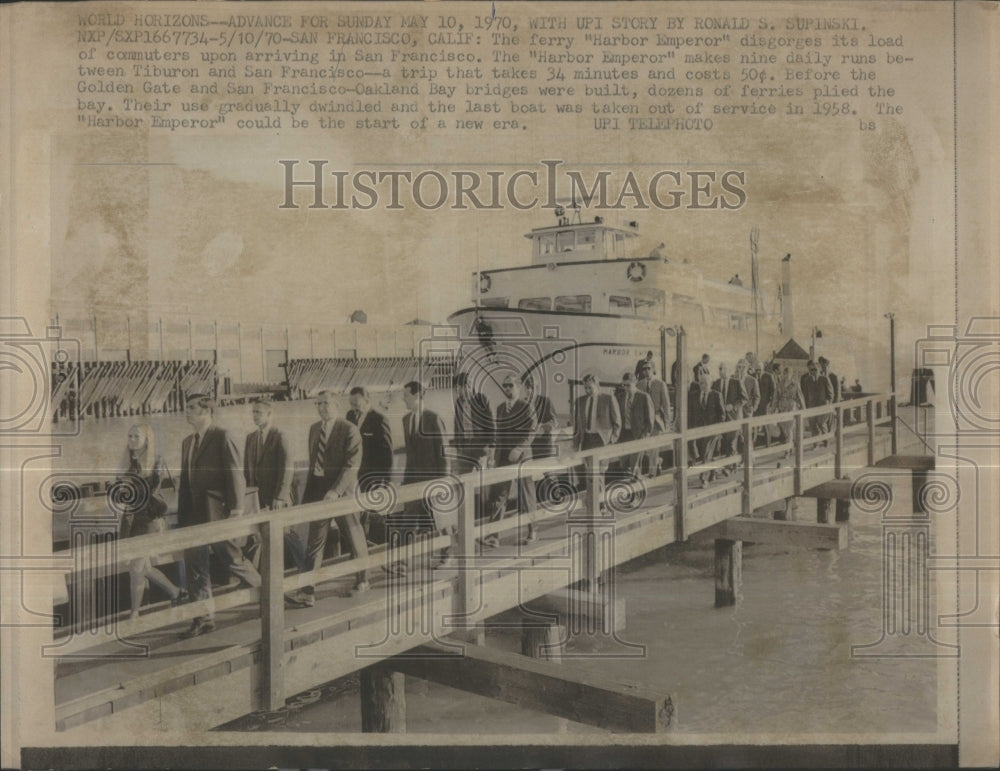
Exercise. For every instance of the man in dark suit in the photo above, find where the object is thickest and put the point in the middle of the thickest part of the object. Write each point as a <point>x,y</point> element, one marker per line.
<point>473,434</point>
<point>334,459</point>
<point>643,362</point>
<point>710,410</point>
<point>816,391</point>
<point>423,437</point>
<point>638,422</point>
<point>267,465</point>
<point>267,461</point>
<point>473,425</point>
<point>376,444</point>
<point>825,371</point>
<point>734,396</point>
<point>766,385</point>
<point>211,488</point>
<point>597,419</point>
<point>543,445</point>
<point>516,425</point>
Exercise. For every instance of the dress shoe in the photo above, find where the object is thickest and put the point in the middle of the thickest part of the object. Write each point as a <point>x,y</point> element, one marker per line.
<point>491,541</point>
<point>181,598</point>
<point>360,588</point>
<point>531,537</point>
<point>199,627</point>
<point>397,568</point>
<point>301,599</point>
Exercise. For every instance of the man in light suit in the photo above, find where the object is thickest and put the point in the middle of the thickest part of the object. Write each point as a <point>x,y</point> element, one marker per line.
<point>267,465</point>
<point>637,413</point>
<point>376,442</point>
<point>650,384</point>
<point>597,420</point>
<point>334,459</point>
<point>211,488</point>
<point>423,437</point>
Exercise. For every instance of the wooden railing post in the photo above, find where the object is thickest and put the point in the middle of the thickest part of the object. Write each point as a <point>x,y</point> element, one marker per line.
<point>468,579</point>
<point>893,428</point>
<point>747,432</point>
<point>680,486</point>
<point>799,453</point>
<point>870,420</point>
<point>838,441</point>
<point>272,615</point>
<point>589,570</point>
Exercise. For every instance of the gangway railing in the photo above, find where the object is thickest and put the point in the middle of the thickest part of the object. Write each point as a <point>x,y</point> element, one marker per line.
<point>590,505</point>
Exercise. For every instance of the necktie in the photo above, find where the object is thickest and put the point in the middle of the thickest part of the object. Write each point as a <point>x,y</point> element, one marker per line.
<point>590,415</point>
<point>321,449</point>
<point>260,445</point>
<point>194,452</point>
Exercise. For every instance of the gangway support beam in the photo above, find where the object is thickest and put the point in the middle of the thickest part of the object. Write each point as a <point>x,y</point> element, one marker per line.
<point>383,700</point>
<point>783,533</point>
<point>919,466</point>
<point>836,490</point>
<point>603,613</point>
<point>728,571</point>
<point>542,639</point>
<point>564,690</point>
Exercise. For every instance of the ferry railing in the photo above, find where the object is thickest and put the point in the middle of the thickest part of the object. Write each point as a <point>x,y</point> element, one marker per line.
<point>589,505</point>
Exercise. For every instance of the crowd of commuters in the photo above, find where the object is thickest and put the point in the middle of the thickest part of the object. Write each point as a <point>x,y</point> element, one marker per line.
<point>353,455</point>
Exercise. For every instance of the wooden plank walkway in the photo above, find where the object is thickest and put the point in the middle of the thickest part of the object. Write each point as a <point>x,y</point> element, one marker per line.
<point>253,661</point>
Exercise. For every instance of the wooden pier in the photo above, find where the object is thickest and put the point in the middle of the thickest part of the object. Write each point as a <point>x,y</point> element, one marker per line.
<point>430,623</point>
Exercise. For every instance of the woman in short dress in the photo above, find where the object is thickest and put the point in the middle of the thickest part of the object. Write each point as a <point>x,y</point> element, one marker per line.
<point>145,469</point>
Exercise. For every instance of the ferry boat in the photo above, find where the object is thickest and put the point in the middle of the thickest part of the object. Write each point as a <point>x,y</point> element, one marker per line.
<point>587,303</point>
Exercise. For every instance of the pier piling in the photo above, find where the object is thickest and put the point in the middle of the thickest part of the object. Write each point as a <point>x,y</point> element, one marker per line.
<point>728,571</point>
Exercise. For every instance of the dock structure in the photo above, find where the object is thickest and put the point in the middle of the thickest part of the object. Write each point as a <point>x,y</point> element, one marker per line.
<point>430,623</point>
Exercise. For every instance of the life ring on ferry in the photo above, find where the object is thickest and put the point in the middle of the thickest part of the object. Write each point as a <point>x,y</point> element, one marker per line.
<point>636,271</point>
<point>485,282</point>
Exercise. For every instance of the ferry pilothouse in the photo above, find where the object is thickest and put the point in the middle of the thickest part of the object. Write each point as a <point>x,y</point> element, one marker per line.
<point>587,303</point>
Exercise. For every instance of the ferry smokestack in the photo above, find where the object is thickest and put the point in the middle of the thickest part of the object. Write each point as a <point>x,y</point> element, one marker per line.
<point>787,317</point>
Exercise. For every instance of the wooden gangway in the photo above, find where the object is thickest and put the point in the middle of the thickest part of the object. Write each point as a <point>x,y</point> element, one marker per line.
<point>120,672</point>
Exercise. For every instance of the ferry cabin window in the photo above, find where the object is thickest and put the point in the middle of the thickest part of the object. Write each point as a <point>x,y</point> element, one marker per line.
<point>737,321</point>
<point>495,302</point>
<point>565,241</point>
<point>573,302</point>
<point>618,249</point>
<point>621,305</point>
<point>644,306</point>
<point>586,240</point>
<point>546,245</point>
<point>535,304</point>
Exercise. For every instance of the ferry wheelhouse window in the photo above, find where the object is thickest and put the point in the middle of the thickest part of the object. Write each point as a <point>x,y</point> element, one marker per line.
<point>535,303</point>
<point>573,302</point>
<point>546,245</point>
<point>620,304</point>
<point>737,321</point>
<point>565,241</point>
<point>586,240</point>
<point>495,302</point>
